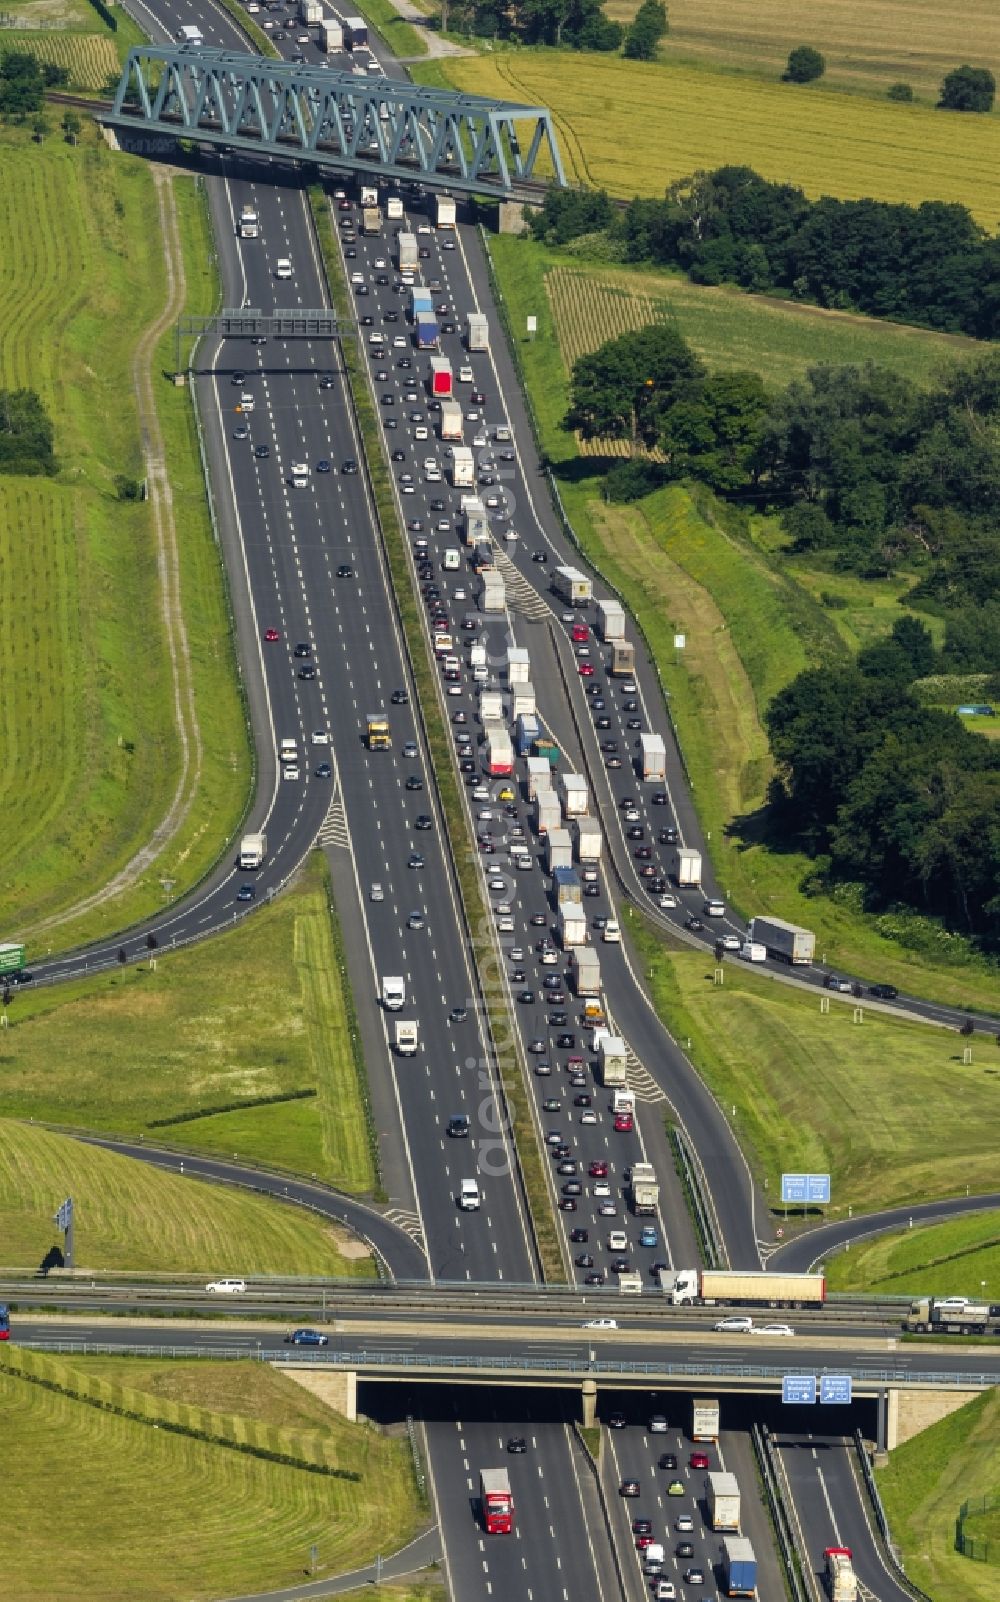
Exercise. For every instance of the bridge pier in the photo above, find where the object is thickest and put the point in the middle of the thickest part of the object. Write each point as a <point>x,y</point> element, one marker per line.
<point>589,1404</point>
<point>910,1411</point>
<point>337,1387</point>
<point>512,219</point>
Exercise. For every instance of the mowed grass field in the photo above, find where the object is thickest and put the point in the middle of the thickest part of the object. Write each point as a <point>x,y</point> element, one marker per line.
<point>163,1516</point>
<point>92,758</point>
<point>923,1488</point>
<point>254,1013</point>
<point>867,47</point>
<point>749,625</point>
<point>882,1106</point>
<point>131,1216</point>
<point>822,141</point>
<point>954,1258</point>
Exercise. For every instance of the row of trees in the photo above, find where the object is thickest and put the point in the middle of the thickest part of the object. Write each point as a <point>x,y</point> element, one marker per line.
<point>930,264</point>
<point>26,435</point>
<point>579,24</point>
<point>23,82</point>
<point>887,793</point>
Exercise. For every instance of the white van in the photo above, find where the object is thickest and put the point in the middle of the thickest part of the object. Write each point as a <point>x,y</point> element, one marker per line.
<point>452,559</point>
<point>246,401</point>
<point>753,951</point>
<point>190,34</point>
<point>299,475</point>
<point>468,1196</point>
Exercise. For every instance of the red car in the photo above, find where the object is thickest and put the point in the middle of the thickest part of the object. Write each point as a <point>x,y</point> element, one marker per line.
<point>699,1460</point>
<point>598,1169</point>
<point>272,635</point>
<point>642,1541</point>
<point>624,1125</point>
<point>586,670</point>
<point>581,633</point>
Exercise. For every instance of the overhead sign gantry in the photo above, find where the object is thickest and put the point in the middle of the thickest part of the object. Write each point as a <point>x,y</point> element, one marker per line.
<point>371,126</point>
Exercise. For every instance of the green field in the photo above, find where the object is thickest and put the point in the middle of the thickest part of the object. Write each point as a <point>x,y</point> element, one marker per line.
<point>161,1515</point>
<point>750,622</point>
<point>960,1257</point>
<point>693,119</point>
<point>130,1215</point>
<point>90,58</point>
<point>866,47</point>
<point>882,1106</point>
<point>117,1052</point>
<point>923,1488</point>
<point>93,758</point>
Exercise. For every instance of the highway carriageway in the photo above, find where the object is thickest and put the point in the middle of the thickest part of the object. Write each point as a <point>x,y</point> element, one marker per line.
<point>470,1302</point>
<point>567,1359</point>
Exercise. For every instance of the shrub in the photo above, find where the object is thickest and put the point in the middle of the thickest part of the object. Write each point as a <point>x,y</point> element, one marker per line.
<point>805,65</point>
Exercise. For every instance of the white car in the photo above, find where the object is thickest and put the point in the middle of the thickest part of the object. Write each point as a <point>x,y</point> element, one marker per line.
<point>357,278</point>
<point>617,1241</point>
<point>283,268</point>
<point>601,1188</point>
<point>466,375</point>
<point>668,903</point>
<point>734,1326</point>
<point>380,261</point>
<point>588,1116</point>
<point>320,737</point>
<point>376,893</point>
<point>290,771</point>
<point>399,343</point>
<point>664,1591</point>
<point>601,1323</point>
<point>773,1329</point>
<point>430,462</point>
<point>730,943</point>
<point>420,432</point>
<point>227,1287</point>
<point>684,1523</point>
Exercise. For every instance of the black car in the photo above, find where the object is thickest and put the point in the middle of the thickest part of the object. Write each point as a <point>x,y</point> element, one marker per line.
<point>348,465</point>
<point>567,1041</point>
<point>414,782</point>
<point>526,998</point>
<point>685,1549</point>
<point>694,924</point>
<point>344,570</point>
<point>423,822</point>
<point>616,1421</point>
<point>517,1443</point>
<point>585,1260</point>
<point>595,1278</point>
<point>642,1526</point>
<point>400,698</point>
<point>261,451</point>
<point>629,1488</point>
<point>883,992</point>
<point>307,670</point>
<point>458,1126</point>
<point>324,771</point>
<point>238,379</point>
<point>668,1460</point>
<point>415,860</point>
<point>579,1236</point>
<point>246,892</point>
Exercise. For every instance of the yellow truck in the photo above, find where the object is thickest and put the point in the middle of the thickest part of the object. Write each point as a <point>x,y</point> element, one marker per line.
<point>379,737</point>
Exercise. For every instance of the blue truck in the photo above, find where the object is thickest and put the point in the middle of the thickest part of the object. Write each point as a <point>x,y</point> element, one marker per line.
<point>739,1567</point>
<point>528,730</point>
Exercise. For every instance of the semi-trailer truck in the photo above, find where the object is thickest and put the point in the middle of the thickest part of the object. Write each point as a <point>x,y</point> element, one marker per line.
<point>572,927</point>
<point>253,849</point>
<point>311,12</point>
<point>442,380</point>
<point>427,331</point>
<point>566,880</point>
<point>371,220</point>
<point>463,467</point>
<point>496,1501</point>
<point>558,850</point>
<point>612,1060</point>
<point>589,839</point>
<point>451,420</point>
<point>611,620</point>
<point>722,1494</point>
<point>952,1315</point>
<point>739,1567</point>
<point>518,665</point>
<point>444,211</point>
<point>394,209</point>
<point>686,1287</point>
<point>684,866</point>
<point>585,970</point>
<point>407,253</point>
<point>331,35</point>
<point>573,792</point>
<point>355,32</point>
<point>547,813</point>
<point>477,521</point>
<point>528,730</point>
<point>704,1419</point>
<point>786,941</point>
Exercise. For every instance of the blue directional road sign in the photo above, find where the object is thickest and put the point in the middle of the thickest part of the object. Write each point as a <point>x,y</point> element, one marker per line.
<point>798,1388</point>
<point>805,1188</point>
<point>835,1389</point>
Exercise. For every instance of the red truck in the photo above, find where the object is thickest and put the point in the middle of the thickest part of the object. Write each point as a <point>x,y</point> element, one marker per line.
<point>496,1501</point>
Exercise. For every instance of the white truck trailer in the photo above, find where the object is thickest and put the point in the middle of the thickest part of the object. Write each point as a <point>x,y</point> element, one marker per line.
<point>722,1495</point>
<point>588,837</point>
<point>786,941</point>
<point>253,850</point>
<point>685,866</point>
<point>572,586</point>
<point>654,758</point>
<point>585,970</point>
<point>477,331</point>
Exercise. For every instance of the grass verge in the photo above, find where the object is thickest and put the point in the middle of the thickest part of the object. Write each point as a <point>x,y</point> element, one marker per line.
<point>91,744</point>
<point>958,1257</point>
<point>881,1106</point>
<point>466,867</point>
<point>159,1514</point>
<point>130,1215</point>
<point>402,38</point>
<point>693,120</point>
<point>685,564</point>
<point>212,1034</point>
<point>923,1488</point>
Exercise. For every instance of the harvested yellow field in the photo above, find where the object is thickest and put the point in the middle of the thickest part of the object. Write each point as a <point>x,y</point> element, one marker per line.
<point>827,143</point>
<point>867,46</point>
<point>90,58</point>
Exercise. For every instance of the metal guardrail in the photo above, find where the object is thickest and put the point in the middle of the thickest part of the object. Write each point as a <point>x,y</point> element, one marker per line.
<point>519,1365</point>
<point>791,1557</point>
<point>882,1521</point>
<point>696,1186</point>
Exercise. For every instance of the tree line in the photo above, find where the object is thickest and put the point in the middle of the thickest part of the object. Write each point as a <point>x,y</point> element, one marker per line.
<point>23,82</point>
<point>576,24</point>
<point>26,434</point>
<point>930,264</point>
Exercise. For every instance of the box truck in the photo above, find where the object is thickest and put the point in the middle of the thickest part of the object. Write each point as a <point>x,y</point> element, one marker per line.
<point>311,12</point>
<point>573,791</point>
<point>249,223</point>
<point>331,35</point>
<point>427,331</point>
<point>492,596</point>
<point>739,1567</point>
<point>394,209</point>
<point>614,1065</point>
<point>841,1580</point>
<point>477,520</point>
<point>622,665</point>
<point>518,665</point>
<point>355,32</point>
<point>499,753</point>
<point>444,211</point>
<point>421,300</point>
<point>477,336</point>
<point>406,253</point>
<point>441,381</point>
<point>377,732</point>
<point>491,707</point>
<point>371,220</point>
<point>539,777</point>
<point>572,927</point>
<point>527,731</point>
<point>588,837</point>
<point>611,620</point>
<point>690,1287</point>
<point>784,940</point>
<point>393,993</point>
<point>522,701</point>
<point>654,758</point>
<point>406,1037</point>
<point>585,969</point>
<point>11,958</point>
<point>572,586</point>
<point>684,866</point>
<point>463,468</point>
<point>722,1494</point>
<point>253,849</point>
<point>644,1189</point>
<point>548,815</point>
<point>558,850</point>
<point>451,420</point>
